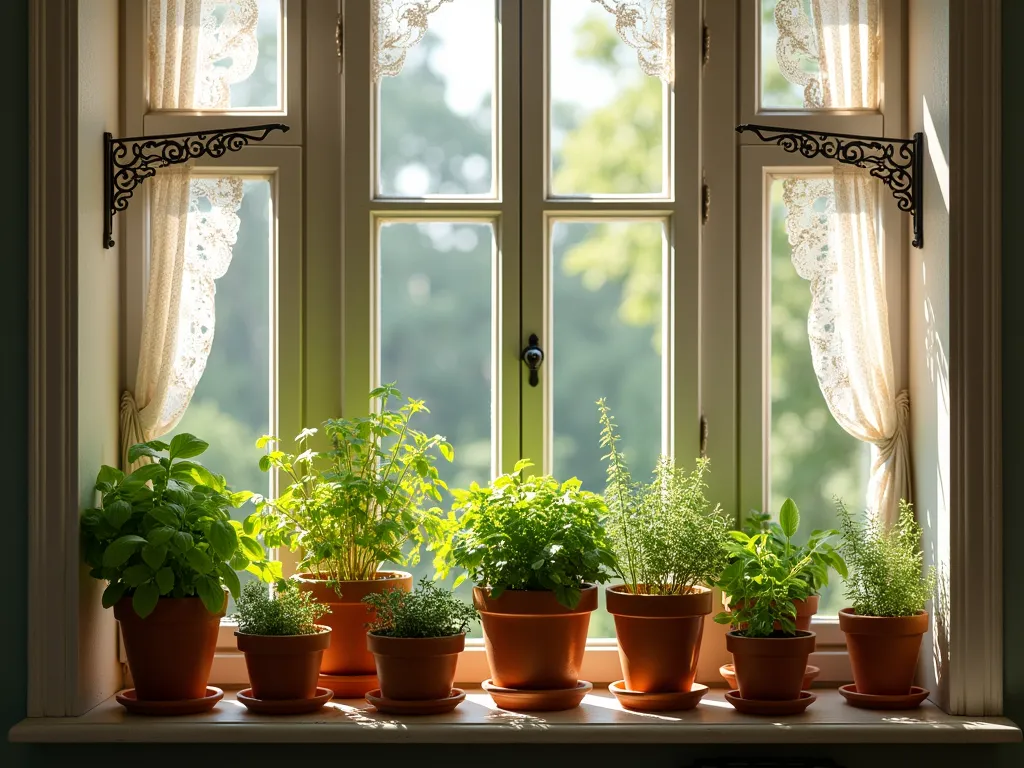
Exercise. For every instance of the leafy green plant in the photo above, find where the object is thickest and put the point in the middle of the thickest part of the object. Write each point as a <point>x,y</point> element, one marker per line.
<point>887,575</point>
<point>290,612</point>
<point>818,552</point>
<point>528,533</point>
<point>166,530</point>
<point>359,503</point>
<point>666,535</point>
<point>427,611</point>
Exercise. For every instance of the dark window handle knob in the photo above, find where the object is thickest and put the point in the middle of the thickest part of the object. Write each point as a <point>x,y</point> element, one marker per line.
<point>533,356</point>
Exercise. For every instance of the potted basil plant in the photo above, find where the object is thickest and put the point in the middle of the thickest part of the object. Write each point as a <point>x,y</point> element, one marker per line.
<point>365,500</point>
<point>670,544</point>
<point>165,542</point>
<point>536,549</point>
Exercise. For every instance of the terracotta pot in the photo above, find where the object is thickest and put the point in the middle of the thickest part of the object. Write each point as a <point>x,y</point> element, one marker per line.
<point>416,668</point>
<point>805,610</point>
<point>170,652</point>
<point>883,650</point>
<point>659,637</point>
<point>533,642</point>
<point>770,668</point>
<point>347,654</point>
<point>284,667</point>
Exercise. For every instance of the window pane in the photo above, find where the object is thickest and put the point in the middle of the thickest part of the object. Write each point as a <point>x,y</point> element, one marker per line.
<point>811,458</point>
<point>607,118</point>
<point>776,90</point>
<point>437,116</point>
<point>436,339</point>
<point>607,341</point>
<point>231,406</point>
<point>237,48</point>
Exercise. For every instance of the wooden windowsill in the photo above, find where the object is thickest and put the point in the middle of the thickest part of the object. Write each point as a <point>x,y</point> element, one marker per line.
<point>477,720</point>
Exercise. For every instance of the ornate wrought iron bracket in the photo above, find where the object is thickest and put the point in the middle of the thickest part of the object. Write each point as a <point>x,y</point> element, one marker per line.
<point>132,160</point>
<point>896,162</point>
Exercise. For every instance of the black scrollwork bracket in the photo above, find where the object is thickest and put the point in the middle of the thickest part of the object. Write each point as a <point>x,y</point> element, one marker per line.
<point>896,162</point>
<point>132,160</point>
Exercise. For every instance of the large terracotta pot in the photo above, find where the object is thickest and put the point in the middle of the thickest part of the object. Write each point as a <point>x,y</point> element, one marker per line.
<point>416,668</point>
<point>347,654</point>
<point>883,650</point>
<point>770,668</point>
<point>534,642</point>
<point>170,652</point>
<point>284,667</point>
<point>659,637</point>
<point>805,610</point>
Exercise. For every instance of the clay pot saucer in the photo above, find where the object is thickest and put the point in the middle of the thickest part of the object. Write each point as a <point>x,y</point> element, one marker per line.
<point>429,707</point>
<point>348,686</point>
<point>526,700</point>
<point>869,701</point>
<point>753,707</point>
<point>666,701</point>
<point>284,706</point>
<point>136,706</point>
<point>728,671</point>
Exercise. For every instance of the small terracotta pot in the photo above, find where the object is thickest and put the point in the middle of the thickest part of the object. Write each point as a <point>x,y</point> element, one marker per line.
<point>770,668</point>
<point>283,667</point>
<point>347,654</point>
<point>416,668</point>
<point>533,642</point>
<point>805,610</point>
<point>170,652</point>
<point>659,637</point>
<point>883,650</point>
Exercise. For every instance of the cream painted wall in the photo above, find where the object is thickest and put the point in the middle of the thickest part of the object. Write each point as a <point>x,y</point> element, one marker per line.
<point>98,326</point>
<point>928,96</point>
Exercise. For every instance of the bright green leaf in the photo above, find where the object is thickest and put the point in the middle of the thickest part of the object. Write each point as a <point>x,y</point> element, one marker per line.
<point>165,580</point>
<point>154,555</point>
<point>211,594</point>
<point>199,560</point>
<point>223,538</point>
<point>230,579</point>
<point>120,550</point>
<point>789,518</point>
<point>185,446</point>
<point>117,513</point>
<point>145,599</point>
<point>139,450</point>
<point>135,575</point>
<point>252,548</point>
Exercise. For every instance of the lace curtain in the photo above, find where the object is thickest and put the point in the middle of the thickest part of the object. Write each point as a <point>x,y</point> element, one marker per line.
<point>831,54</point>
<point>836,247</point>
<point>193,226</point>
<point>644,25</point>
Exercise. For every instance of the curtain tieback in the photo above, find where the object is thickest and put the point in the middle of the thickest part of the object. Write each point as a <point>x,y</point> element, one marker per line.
<point>888,446</point>
<point>131,429</point>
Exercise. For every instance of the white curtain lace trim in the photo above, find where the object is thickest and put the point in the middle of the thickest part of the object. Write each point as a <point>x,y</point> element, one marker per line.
<point>397,25</point>
<point>647,27</point>
<point>198,49</point>
<point>840,30</point>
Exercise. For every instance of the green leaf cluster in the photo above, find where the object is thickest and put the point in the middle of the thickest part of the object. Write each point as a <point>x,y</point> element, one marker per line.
<point>887,574</point>
<point>360,502</point>
<point>290,612</point>
<point>817,552</point>
<point>427,611</point>
<point>666,535</point>
<point>165,530</point>
<point>528,533</point>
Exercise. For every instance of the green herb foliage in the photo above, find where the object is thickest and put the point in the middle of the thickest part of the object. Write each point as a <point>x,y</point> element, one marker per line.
<point>887,575</point>
<point>290,612</point>
<point>428,611</point>
<point>359,503</point>
<point>166,530</point>
<point>666,535</point>
<point>817,552</point>
<point>528,533</point>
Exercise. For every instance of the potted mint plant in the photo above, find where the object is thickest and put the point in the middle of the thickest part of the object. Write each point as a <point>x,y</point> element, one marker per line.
<point>165,542</point>
<point>416,638</point>
<point>536,548</point>
<point>670,543</point>
<point>350,508</point>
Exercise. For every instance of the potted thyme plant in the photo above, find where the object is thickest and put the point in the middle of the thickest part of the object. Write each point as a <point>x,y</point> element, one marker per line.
<point>351,508</point>
<point>165,542</point>
<point>535,549</point>
<point>283,646</point>
<point>416,639</point>
<point>888,588</point>
<point>669,543</point>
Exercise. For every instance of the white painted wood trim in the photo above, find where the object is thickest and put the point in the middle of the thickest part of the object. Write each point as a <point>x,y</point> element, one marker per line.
<point>975,677</point>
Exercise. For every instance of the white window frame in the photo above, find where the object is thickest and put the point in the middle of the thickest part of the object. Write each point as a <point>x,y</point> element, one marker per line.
<point>59,673</point>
